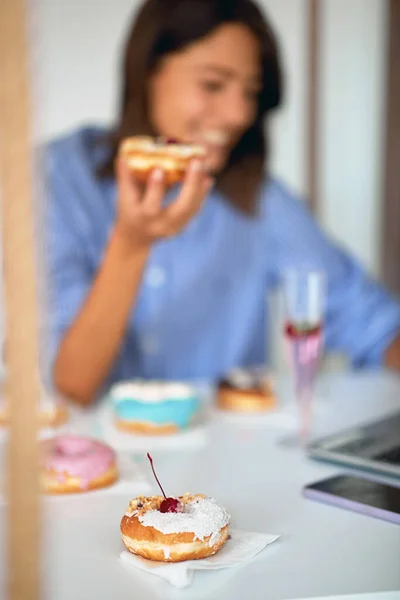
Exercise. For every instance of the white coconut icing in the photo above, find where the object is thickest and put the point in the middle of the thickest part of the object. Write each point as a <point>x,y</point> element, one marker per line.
<point>202,517</point>
<point>241,378</point>
<point>151,391</point>
<point>245,379</point>
<point>145,144</point>
<point>214,539</point>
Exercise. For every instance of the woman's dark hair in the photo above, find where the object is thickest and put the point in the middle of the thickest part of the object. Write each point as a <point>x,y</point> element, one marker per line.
<point>166,26</point>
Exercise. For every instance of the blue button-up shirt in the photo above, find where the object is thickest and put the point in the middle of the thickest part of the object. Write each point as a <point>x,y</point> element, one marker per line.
<point>201,308</point>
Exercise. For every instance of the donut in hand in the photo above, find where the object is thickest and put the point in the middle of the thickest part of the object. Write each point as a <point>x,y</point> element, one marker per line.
<point>144,154</point>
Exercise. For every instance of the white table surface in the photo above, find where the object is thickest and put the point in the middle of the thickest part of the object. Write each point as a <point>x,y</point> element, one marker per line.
<point>323,551</point>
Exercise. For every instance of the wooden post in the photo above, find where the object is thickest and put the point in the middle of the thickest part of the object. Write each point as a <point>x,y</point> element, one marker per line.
<point>21,304</point>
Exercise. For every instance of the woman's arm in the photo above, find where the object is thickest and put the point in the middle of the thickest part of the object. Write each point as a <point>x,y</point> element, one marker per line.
<point>101,308</point>
<point>91,344</point>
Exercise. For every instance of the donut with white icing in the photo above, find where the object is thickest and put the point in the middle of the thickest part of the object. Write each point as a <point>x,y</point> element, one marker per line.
<point>199,528</point>
<point>245,390</point>
<point>143,154</point>
<point>153,407</point>
<point>72,464</point>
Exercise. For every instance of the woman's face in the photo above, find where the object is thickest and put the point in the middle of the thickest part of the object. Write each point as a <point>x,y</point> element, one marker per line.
<point>208,92</point>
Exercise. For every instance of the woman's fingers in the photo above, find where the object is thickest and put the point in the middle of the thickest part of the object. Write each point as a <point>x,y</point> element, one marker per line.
<point>196,185</point>
<point>154,194</point>
<point>142,204</point>
<point>127,186</point>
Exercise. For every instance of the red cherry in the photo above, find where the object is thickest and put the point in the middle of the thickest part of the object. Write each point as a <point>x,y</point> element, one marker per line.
<point>302,331</point>
<point>161,141</point>
<point>171,505</point>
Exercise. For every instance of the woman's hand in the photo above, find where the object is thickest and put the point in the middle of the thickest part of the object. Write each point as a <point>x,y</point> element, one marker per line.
<point>142,219</point>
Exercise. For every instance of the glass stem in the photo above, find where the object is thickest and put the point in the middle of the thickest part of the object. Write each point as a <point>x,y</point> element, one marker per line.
<point>305,407</point>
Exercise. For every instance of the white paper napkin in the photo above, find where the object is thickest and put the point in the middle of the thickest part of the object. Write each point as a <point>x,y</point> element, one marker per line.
<point>242,547</point>
<point>193,437</point>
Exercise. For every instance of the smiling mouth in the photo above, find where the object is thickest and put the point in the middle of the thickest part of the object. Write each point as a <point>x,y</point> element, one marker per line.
<point>215,139</point>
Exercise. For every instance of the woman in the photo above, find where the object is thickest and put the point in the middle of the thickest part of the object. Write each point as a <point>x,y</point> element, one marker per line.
<point>157,283</point>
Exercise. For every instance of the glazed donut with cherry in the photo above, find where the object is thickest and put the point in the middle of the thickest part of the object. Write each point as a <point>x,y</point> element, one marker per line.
<point>245,390</point>
<point>174,529</point>
<point>143,154</point>
<point>72,464</point>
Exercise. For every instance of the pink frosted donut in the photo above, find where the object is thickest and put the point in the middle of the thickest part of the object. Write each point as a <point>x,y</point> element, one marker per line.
<point>73,464</point>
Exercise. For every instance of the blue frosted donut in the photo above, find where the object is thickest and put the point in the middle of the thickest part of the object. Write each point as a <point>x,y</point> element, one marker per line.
<point>153,407</point>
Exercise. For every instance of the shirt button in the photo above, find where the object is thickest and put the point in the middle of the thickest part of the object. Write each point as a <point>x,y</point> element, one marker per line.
<point>155,277</point>
<point>150,345</point>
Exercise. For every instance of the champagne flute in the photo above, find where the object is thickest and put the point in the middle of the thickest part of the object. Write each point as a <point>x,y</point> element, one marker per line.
<point>304,308</point>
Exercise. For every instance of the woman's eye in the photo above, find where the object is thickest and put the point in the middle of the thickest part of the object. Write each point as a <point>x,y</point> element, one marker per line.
<point>212,86</point>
